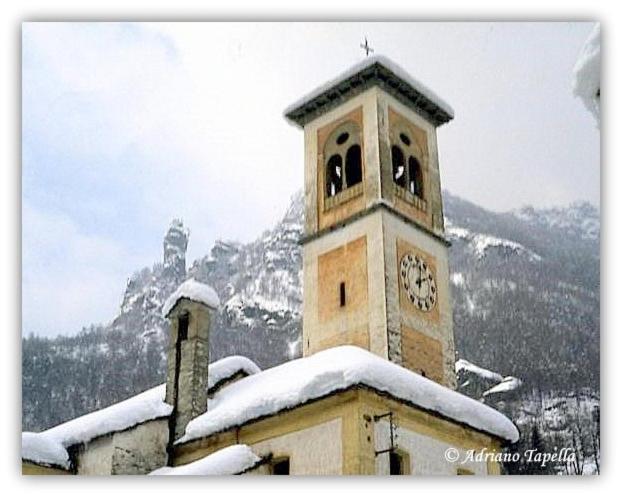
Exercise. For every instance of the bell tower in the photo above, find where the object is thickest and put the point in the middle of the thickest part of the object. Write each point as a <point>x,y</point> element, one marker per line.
<point>375,258</point>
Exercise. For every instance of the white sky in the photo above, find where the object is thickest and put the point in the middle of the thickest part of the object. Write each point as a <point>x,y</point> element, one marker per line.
<point>127,126</point>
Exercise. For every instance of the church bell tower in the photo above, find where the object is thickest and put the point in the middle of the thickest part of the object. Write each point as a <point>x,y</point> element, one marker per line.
<point>374,252</point>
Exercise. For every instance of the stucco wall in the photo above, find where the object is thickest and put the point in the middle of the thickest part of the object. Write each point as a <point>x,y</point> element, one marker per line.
<point>399,313</point>
<point>426,454</point>
<point>136,451</point>
<point>369,320</point>
<point>312,451</point>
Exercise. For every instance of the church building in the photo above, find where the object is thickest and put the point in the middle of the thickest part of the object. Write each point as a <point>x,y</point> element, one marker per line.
<point>374,391</point>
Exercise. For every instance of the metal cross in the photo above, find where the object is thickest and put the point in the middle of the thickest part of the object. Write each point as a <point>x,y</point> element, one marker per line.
<point>365,46</point>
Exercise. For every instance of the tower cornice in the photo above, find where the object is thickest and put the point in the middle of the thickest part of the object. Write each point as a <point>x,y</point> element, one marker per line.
<point>380,204</point>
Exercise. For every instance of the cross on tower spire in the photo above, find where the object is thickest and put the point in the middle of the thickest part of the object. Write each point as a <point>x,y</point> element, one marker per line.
<point>365,46</point>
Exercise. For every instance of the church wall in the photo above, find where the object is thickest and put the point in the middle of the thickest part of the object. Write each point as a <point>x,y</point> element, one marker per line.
<point>95,458</point>
<point>365,325</point>
<point>312,451</point>
<point>423,437</point>
<point>426,455</point>
<point>142,449</point>
<point>138,450</point>
<point>319,437</point>
<point>401,317</point>
<point>340,435</point>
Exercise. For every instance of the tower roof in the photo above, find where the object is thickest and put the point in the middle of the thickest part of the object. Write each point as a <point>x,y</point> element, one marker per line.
<point>379,71</point>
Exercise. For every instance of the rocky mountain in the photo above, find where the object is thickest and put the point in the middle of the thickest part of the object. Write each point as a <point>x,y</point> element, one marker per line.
<point>525,287</point>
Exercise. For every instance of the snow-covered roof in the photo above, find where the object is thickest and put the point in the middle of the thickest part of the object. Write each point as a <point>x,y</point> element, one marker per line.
<point>229,367</point>
<point>586,80</point>
<point>462,365</point>
<point>299,381</point>
<point>231,460</point>
<point>49,446</point>
<point>40,449</point>
<point>191,289</point>
<point>376,70</point>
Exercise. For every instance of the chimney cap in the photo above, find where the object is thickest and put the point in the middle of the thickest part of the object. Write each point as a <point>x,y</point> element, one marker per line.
<point>192,290</point>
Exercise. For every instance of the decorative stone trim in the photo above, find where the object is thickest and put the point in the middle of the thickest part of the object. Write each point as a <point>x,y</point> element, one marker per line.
<point>343,196</point>
<point>405,195</point>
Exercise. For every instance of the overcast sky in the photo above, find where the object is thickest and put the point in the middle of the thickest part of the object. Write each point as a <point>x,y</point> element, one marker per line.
<point>126,126</point>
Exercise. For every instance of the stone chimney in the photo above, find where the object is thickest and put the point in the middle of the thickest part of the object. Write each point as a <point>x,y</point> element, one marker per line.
<point>188,310</point>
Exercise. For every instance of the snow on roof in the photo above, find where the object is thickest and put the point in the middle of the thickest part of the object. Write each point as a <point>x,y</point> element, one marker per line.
<point>508,384</point>
<point>231,460</point>
<point>40,449</point>
<point>143,407</point>
<point>228,367</point>
<point>319,95</point>
<point>586,80</point>
<point>296,382</point>
<point>464,365</point>
<point>49,446</point>
<point>192,290</point>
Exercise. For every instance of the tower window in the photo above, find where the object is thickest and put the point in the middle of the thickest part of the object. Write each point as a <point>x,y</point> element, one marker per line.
<point>334,175</point>
<point>342,138</point>
<point>354,172</point>
<point>415,177</point>
<point>399,167</point>
<point>342,294</point>
<point>405,159</point>
<point>344,164</point>
<point>281,466</point>
<point>182,326</point>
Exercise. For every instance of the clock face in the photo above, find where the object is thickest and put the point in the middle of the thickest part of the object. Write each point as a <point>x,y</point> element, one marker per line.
<point>418,282</point>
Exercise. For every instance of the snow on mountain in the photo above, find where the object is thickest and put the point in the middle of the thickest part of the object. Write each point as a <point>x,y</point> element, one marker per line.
<point>479,243</point>
<point>579,219</point>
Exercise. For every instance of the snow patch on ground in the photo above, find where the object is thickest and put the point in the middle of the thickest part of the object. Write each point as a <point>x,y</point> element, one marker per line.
<point>338,368</point>
<point>458,279</point>
<point>231,460</point>
<point>457,232</point>
<point>481,243</point>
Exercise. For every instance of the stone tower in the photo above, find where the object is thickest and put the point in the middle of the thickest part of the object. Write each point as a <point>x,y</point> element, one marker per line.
<point>188,310</point>
<point>374,253</point>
